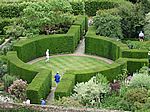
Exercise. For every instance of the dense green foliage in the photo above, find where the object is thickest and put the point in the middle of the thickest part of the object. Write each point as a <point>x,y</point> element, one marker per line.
<point>147,27</point>
<point>140,80</point>
<point>132,20</point>
<point>108,25</point>
<point>91,6</point>
<point>8,80</point>
<point>78,7</point>
<point>45,17</point>
<point>11,10</point>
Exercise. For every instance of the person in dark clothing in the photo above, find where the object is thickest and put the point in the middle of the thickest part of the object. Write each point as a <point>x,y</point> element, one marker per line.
<point>57,78</point>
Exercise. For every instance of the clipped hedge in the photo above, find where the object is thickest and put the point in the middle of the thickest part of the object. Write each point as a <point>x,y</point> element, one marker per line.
<point>39,79</point>
<point>66,85</point>
<point>102,46</point>
<point>40,86</point>
<point>59,43</point>
<point>82,21</point>
<point>135,53</point>
<point>74,32</point>
<point>91,6</point>
<point>36,47</point>
<point>19,68</point>
<point>133,65</point>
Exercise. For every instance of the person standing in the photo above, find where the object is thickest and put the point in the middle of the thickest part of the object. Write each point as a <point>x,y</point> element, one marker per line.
<point>57,78</point>
<point>141,36</point>
<point>47,55</point>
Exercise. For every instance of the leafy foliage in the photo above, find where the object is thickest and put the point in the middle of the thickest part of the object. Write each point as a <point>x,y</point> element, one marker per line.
<point>67,102</point>
<point>140,80</point>
<point>3,67</point>
<point>108,25</point>
<point>136,95</point>
<point>138,45</point>
<point>8,80</point>
<point>132,20</point>
<point>46,16</point>
<point>14,30</point>
<point>91,92</point>
<point>147,27</point>
<point>18,88</point>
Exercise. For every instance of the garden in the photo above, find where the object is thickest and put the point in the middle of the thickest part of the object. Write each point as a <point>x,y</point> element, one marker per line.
<point>94,45</point>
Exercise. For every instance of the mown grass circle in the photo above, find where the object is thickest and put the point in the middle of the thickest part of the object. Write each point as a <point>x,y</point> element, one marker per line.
<point>65,63</point>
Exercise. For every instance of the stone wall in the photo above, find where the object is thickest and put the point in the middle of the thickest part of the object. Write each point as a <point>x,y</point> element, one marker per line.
<point>50,108</point>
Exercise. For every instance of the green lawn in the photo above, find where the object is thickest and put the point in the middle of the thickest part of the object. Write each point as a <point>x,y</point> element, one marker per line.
<point>63,63</point>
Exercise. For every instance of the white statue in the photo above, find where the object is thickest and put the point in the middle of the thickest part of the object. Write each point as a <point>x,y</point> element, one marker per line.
<point>47,55</point>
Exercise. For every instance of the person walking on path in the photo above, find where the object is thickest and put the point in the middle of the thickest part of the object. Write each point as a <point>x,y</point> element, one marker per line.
<point>43,102</point>
<point>57,78</point>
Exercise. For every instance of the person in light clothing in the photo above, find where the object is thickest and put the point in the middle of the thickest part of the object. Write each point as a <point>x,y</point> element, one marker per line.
<point>141,36</point>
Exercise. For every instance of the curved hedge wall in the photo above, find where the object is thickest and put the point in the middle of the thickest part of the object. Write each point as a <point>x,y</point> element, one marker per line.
<point>102,46</point>
<point>59,43</point>
<point>32,75</point>
<point>113,49</point>
<point>40,80</point>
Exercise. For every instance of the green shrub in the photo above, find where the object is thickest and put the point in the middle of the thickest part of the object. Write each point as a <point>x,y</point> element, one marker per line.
<point>3,67</point>
<point>40,86</point>
<point>136,95</point>
<point>11,10</point>
<point>112,11</point>
<point>132,20</point>
<point>88,93</point>
<point>140,80</point>
<point>6,22</point>
<point>108,25</point>
<point>78,7</point>
<point>147,27</point>
<point>91,6</point>
<point>8,80</point>
<point>45,16</point>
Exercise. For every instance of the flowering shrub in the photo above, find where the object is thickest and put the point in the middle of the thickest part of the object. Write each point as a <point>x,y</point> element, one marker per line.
<point>140,80</point>
<point>92,92</point>
<point>18,89</point>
